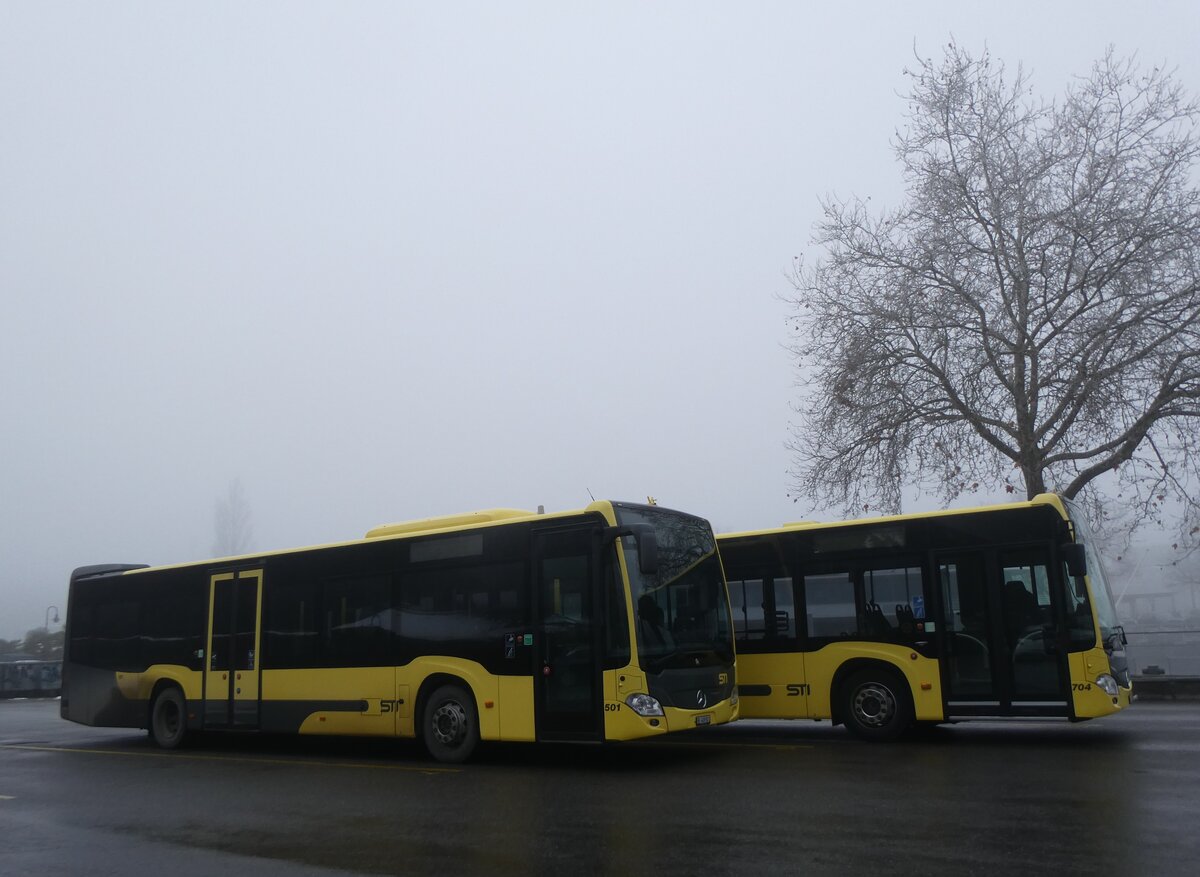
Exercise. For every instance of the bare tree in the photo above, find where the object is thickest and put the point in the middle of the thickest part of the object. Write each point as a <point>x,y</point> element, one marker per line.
<point>44,645</point>
<point>1027,317</point>
<point>232,520</point>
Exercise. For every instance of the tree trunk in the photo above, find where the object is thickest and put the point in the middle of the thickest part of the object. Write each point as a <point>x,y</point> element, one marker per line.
<point>1031,469</point>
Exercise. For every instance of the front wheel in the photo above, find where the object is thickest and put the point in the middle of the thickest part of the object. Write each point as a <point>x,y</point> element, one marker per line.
<point>449,727</point>
<point>168,718</point>
<point>876,705</point>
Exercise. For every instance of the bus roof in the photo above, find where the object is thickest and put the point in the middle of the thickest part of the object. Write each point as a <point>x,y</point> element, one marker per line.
<point>462,521</point>
<point>1042,499</point>
<point>447,522</point>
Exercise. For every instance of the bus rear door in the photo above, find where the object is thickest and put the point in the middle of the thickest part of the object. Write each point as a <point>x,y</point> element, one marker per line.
<point>231,678</point>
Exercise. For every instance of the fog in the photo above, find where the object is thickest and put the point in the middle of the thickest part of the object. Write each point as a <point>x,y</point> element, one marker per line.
<point>385,261</point>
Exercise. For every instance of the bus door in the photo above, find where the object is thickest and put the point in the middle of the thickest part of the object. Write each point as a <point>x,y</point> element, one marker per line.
<point>1000,643</point>
<point>567,681</point>
<point>231,678</point>
<point>1029,621</point>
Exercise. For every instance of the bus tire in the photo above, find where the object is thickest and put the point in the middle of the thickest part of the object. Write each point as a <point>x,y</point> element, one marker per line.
<point>168,718</point>
<point>876,704</point>
<point>449,725</point>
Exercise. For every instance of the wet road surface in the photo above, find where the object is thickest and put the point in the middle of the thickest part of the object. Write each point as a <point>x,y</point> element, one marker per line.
<point>1115,796</point>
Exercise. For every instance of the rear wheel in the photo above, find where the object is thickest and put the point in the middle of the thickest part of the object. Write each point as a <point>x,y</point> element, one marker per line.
<point>450,727</point>
<point>168,718</point>
<point>876,704</point>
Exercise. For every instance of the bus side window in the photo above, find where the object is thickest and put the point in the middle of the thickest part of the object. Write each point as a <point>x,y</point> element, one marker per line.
<point>832,611</point>
<point>785,610</point>
<point>746,597</point>
<point>896,600</point>
<point>291,635</point>
<point>358,623</point>
<point>170,634</point>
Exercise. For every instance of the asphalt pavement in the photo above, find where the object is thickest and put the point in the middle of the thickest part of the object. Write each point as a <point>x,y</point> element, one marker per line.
<point>1115,796</point>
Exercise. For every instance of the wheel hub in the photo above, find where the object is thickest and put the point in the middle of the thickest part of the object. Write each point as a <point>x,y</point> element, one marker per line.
<point>449,724</point>
<point>874,705</point>
<point>170,719</point>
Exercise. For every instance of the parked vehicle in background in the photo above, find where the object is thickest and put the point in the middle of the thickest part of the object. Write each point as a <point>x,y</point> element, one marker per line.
<point>881,623</point>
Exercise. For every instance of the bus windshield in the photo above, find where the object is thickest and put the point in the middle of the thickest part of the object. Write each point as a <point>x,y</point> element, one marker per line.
<point>682,611</point>
<point>1102,599</point>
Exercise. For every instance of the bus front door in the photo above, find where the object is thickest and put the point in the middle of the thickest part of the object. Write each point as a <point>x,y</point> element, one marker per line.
<point>567,684</point>
<point>1001,647</point>
<point>231,678</point>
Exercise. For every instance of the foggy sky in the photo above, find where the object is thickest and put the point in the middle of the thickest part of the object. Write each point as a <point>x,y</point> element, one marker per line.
<point>384,261</point>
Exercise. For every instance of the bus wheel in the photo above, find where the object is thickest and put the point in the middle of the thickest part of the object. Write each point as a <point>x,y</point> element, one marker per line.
<point>876,705</point>
<point>168,718</point>
<point>449,727</point>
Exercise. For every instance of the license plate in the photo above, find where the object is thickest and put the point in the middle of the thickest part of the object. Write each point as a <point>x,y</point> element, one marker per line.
<point>703,720</point>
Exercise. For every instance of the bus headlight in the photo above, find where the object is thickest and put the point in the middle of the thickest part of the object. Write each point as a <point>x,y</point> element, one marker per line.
<point>1107,683</point>
<point>733,696</point>
<point>644,705</point>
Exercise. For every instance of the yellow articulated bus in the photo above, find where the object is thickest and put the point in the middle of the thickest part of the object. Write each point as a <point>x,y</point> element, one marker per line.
<point>496,625</point>
<point>881,623</point>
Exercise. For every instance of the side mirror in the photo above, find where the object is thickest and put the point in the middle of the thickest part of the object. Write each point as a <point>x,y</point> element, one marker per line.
<point>647,544</point>
<point>1075,557</point>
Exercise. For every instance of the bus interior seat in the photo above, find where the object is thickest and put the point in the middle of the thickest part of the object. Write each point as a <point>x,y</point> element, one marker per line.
<point>877,622</point>
<point>781,623</point>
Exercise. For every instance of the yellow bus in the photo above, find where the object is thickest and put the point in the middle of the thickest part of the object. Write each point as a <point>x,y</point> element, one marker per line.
<point>494,625</point>
<point>881,623</point>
